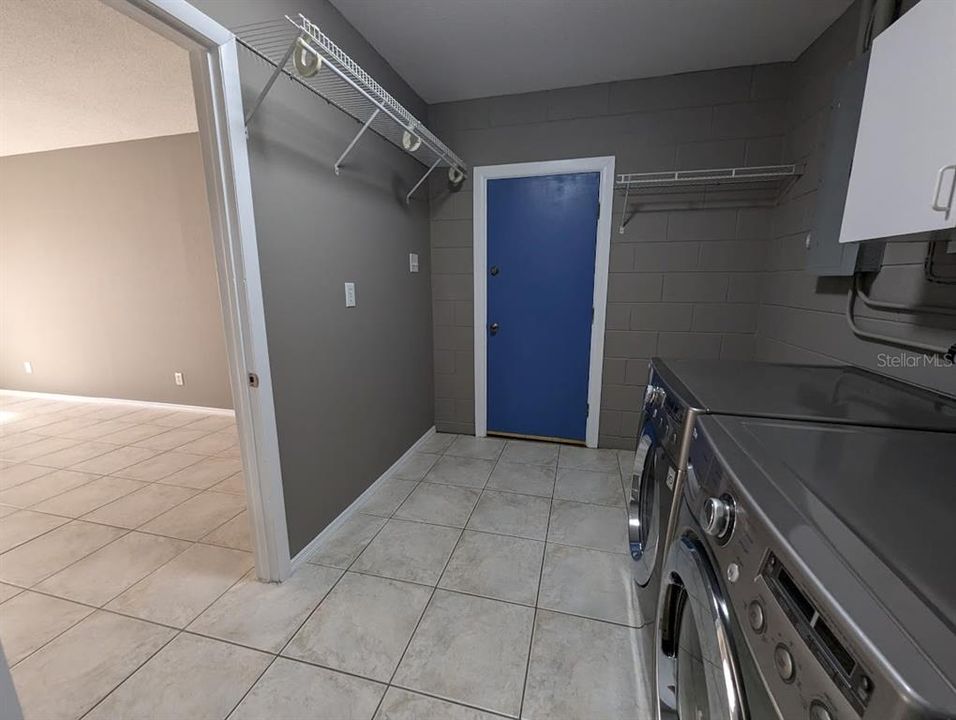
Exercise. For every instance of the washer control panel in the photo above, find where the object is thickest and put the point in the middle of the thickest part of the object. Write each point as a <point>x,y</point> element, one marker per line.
<point>800,673</point>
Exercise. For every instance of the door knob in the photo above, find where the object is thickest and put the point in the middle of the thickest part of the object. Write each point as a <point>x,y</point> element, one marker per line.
<point>493,328</point>
<point>494,270</point>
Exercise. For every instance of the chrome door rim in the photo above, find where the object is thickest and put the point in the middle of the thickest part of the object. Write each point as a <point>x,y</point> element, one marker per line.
<point>641,525</point>
<point>689,571</point>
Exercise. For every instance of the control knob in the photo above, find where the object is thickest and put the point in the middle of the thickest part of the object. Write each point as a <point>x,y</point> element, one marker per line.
<point>717,516</point>
<point>756,617</point>
<point>783,661</point>
<point>655,396</point>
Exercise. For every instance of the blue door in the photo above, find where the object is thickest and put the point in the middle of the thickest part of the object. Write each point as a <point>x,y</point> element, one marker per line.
<point>542,235</point>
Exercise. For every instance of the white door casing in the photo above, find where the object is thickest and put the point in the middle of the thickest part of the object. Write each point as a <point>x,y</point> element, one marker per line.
<point>215,72</point>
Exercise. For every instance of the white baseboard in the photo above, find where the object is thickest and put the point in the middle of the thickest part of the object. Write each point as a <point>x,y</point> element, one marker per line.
<point>117,401</point>
<point>307,551</point>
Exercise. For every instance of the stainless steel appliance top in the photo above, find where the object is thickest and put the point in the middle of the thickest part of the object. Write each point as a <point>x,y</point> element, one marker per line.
<point>867,514</point>
<point>823,393</point>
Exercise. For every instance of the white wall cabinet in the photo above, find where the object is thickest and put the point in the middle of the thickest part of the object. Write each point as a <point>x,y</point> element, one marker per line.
<point>903,179</point>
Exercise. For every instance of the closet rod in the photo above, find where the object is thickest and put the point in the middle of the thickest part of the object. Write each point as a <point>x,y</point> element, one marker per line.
<point>299,49</point>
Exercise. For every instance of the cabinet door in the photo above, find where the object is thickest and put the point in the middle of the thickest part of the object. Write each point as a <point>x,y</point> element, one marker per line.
<point>907,129</point>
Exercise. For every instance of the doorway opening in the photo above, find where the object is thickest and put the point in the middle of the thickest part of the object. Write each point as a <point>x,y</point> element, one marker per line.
<point>183,169</point>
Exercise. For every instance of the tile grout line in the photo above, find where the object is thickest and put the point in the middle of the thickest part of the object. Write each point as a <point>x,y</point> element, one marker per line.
<point>127,531</point>
<point>102,608</point>
<point>349,568</point>
<point>186,630</point>
<point>491,597</point>
<point>334,585</point>
<point>512,492</point>
<point>37,537</point>
<point>137,528</point>
<point>509,535</point>
<point>32,508</point>
<point>98,439</point>
<point>52,639</point>
<point>100,476</point>
<point>537,596</point>
<point>176,634</point>
<point>66,567</point>
<point>55,495</point>
<point>255,682</point>
<point>456,703</point>
<point>440,575</point>
<point>313,611</point>
<point>127,677</point>
<point>308,617</point>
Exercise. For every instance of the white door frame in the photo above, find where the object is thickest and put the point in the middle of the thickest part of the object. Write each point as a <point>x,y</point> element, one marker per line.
<point>215,72</point>
<point>481,175</point>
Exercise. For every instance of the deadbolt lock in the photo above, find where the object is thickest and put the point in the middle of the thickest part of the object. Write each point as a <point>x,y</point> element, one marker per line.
<point>493,328</point>
<point>494,270</point>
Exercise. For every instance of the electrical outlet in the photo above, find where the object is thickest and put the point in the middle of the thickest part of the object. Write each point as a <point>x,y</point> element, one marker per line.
<point>178,379</point>
<point>28,367</point>
<point>412,262</point>
<point>349,295</point>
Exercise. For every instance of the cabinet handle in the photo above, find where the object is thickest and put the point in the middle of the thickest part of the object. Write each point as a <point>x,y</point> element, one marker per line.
<point>939,183</point>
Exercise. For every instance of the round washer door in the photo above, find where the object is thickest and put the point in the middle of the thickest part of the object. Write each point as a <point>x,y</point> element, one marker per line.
<point>644,518</point>
<point>698,673</point>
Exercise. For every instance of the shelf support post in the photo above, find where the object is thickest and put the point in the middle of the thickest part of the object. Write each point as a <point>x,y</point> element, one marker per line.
<point>624,218</point>
<point>270,82</point>
<point>408,198</point>
<point>338,163</point>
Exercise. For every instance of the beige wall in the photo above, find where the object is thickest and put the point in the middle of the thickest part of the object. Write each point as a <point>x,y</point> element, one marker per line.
<point>107,275</point>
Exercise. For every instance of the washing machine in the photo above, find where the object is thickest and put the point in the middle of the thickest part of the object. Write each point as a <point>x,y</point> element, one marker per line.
<point>679,391</point>
<point>703,668</point>
<point>810,576</point>
<point>667,417</point>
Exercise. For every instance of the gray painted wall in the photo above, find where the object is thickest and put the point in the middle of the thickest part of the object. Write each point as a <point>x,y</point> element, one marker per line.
<point>353,387</point>
<point>107,275</point>
<point>801,316</point>
<point>683,283</point>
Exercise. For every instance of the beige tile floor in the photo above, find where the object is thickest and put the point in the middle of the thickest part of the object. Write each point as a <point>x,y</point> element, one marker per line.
<point>486,579</point>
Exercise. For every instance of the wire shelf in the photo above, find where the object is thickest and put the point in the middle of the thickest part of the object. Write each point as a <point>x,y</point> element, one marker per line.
<point>761,185</point>
<point>343,83</point>
<point>676,179</point>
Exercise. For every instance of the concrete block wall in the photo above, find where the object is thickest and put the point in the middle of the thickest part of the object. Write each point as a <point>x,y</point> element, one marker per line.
<point>801,316</point>
<point>683,283</point>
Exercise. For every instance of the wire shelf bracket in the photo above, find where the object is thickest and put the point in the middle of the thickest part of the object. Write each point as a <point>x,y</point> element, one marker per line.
<point>359,134</point>
<point>320,66</point>
<point>768,183</point>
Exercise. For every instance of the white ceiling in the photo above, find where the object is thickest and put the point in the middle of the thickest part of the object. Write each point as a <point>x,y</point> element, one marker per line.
<point>76,72</point>
<point>459,49</point>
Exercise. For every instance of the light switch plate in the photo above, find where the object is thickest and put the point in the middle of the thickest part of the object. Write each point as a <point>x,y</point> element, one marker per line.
<point>28,367</point>
<point>349,295</point>
<point>412,262</point>
<point>178,379</point>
